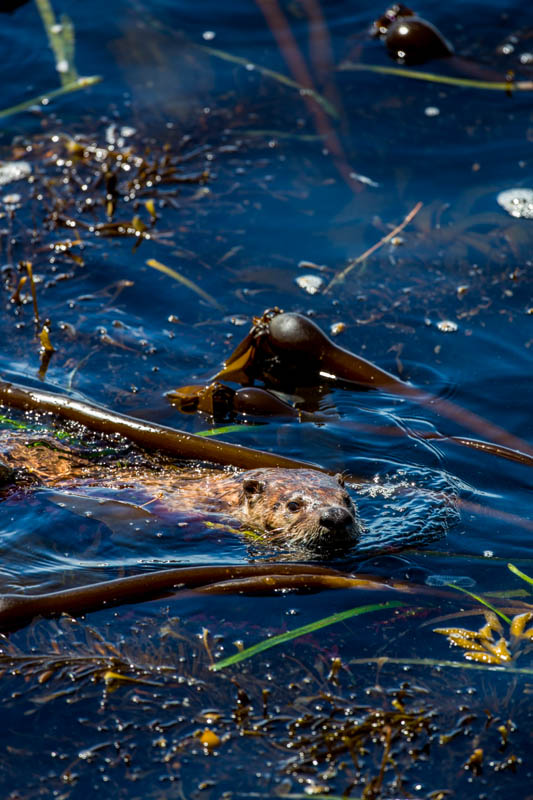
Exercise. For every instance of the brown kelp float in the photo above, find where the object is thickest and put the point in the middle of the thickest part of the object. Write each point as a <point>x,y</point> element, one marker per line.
<point>288,350</point>
<point>409,39</point>
<point>220,402</point>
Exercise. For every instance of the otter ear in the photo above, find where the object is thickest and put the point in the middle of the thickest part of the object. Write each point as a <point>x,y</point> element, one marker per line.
<point>340,479</point>
<point>252,486</point>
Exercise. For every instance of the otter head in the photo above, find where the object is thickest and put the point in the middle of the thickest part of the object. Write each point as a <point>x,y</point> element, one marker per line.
<point>301,508</point>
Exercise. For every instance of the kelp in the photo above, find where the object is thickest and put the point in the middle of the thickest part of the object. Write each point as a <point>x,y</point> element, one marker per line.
<point>489,644</point>
<point>332,723</point>
<point>481,645</point>
<point>253,403</point>
<point>324,724</point>
<point>287,349</point>
<point>95,191</point>
<point>145,434</point>
<point>296,62</point>
<point>17,610</point>
<point>220,402</point>
<point>114,175</point>
<point>395,733</point>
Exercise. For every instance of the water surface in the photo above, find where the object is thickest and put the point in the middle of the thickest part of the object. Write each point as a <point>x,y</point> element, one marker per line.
<point>447,306</point>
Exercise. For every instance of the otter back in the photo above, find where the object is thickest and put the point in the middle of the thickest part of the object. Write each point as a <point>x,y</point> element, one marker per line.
<point>301,508</point>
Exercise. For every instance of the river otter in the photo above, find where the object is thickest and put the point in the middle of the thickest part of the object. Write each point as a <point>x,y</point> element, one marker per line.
<point>300,508</point>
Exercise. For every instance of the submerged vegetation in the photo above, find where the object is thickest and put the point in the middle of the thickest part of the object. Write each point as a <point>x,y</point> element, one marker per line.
<point>324,724</point>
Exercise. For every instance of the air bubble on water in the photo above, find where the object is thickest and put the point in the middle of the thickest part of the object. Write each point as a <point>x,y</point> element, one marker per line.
<point>310,283</point>
<point>447,326</point>
<point>517,202</point>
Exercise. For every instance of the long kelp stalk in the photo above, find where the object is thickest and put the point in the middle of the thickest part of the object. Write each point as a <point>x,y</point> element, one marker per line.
<point>17,610</point>
<point>145,434</point>
<point>299,344</point>
<point>321,50</point>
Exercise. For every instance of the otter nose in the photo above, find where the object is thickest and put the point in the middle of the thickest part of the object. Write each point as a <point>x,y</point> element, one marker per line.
<point>336,519</point>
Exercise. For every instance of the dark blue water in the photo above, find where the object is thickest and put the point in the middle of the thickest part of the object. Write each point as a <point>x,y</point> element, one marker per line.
<point>448,307</point>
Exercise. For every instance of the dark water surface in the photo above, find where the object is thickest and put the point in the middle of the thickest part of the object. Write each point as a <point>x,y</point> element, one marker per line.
<point>448,305</point>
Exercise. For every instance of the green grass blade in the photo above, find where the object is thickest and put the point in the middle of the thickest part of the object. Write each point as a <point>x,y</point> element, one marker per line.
<point>520,574</point>
<point>277,76</point>
<point>80,83</point>
<point>481,600</point>
<point>22,426</point>
<point>226,429</point>
<point>436,662</point>
<point>69,43</point>
<point>431,77</point>
<point>266,644</point>
<point>61,41</point>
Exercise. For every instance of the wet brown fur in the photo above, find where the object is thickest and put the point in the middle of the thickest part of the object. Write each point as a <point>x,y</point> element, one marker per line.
<point>289,505</point>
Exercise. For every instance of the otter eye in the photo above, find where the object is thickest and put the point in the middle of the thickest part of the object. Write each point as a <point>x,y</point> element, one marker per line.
<point>251,486</point>
<point>347,500</point>
<point>294,505</point>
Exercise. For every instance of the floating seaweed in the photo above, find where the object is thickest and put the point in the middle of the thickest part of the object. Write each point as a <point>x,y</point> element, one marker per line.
<point>309,722</point>
<point>490,644</point>
<point>93,191</point>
